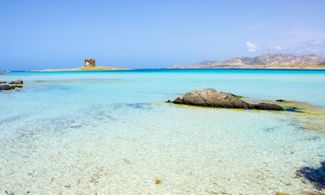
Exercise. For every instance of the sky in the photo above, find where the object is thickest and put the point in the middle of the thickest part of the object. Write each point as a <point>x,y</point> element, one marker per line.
<point>38,34</point>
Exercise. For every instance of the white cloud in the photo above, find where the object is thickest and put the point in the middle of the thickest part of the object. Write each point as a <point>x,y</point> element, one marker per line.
<point>251,47</point>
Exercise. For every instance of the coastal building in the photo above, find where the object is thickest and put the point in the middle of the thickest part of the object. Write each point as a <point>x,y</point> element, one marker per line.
<point>90,63</point>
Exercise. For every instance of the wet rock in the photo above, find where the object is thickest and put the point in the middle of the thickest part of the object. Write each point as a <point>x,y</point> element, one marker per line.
<point>314,175</point>
<point>12,85</point>
<point>213,98</point>
<point>17,82</point>
<point>266,106</point>
<point>7,87</point>
<point>281,100</point>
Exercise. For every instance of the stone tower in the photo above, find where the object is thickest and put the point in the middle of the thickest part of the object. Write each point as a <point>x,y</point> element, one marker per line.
<point>90,62</point>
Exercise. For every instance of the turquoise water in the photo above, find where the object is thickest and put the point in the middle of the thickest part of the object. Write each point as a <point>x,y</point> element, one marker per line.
<point>113,133</point>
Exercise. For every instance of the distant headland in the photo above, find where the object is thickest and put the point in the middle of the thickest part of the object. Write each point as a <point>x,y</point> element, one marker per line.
<point>89,65</point>
<point>266,61</point>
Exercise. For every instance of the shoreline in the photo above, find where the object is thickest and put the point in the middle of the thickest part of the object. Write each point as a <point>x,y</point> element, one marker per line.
<point>97,68</point>
<point>163,69</point>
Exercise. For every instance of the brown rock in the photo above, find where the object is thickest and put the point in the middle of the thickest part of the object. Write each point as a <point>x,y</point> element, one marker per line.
<point>266,106</point>
<point>178,100</point>
<point>213,98</point>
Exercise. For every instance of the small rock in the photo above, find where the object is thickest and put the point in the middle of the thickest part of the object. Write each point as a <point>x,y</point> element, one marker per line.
<point>158,181</point>
<point>178,100</point>
<point>6,87</point>
<point>17,82</point>
<point>281,100</point>
<point>282,193</point>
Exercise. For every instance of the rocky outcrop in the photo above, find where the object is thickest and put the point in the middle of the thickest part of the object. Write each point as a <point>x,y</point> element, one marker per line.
<point>7,87</point>
<point>12,85</point>
<point>17,82</point>
<point>214,98</point>
<point>211,98</point>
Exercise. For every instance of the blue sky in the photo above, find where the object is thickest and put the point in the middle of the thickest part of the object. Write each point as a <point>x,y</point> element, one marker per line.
<point>38,34</point>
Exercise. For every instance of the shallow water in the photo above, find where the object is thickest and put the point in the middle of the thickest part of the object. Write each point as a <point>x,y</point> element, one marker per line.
<point>112,133</point>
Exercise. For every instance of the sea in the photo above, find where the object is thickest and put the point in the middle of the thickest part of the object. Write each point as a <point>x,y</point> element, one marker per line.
<point>112,132</point>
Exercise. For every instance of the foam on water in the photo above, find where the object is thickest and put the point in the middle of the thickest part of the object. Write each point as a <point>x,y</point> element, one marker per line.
<point>112,133</point>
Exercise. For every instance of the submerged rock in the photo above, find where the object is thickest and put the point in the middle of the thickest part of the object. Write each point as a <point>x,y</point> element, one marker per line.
<point>214,98</point>
<point>315,175</point>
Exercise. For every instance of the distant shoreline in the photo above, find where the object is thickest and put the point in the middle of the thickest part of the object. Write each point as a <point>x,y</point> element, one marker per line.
<point>81,69</point>
<point>162,69</point>
<point>259,67</point>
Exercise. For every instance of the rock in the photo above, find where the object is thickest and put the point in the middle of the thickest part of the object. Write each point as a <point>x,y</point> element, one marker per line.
<point>6,87</point>
<point>281,100</point>
<point>213,98</point>
<point>266,106</point>
<point>282,193</point>
<point>315,175</point>
<point>178,100</point>
<point>17,82</point>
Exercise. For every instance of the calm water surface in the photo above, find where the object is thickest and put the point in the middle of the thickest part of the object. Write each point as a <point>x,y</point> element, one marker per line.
<point>112,133</point>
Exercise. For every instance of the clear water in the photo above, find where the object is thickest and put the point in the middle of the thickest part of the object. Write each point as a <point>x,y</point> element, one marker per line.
<point>112,133</point>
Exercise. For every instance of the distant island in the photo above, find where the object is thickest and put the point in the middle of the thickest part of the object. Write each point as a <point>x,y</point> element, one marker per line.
<point>89,65</point>
<point>266,61</point>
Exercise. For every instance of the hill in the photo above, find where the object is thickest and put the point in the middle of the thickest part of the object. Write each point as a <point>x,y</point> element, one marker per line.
<point>266,61</point>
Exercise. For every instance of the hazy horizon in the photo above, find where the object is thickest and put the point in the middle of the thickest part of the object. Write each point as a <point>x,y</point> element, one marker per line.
<point>145,34</point>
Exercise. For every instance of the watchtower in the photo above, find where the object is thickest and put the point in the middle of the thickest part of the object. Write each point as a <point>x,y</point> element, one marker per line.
<point>90,62</point>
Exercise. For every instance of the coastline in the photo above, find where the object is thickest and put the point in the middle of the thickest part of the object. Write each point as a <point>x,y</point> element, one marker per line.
<point>165,69</point>
<point>259,67</point>
<point>97,68</point>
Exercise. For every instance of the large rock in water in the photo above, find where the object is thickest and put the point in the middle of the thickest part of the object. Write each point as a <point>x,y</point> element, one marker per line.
<point>213,98</point>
